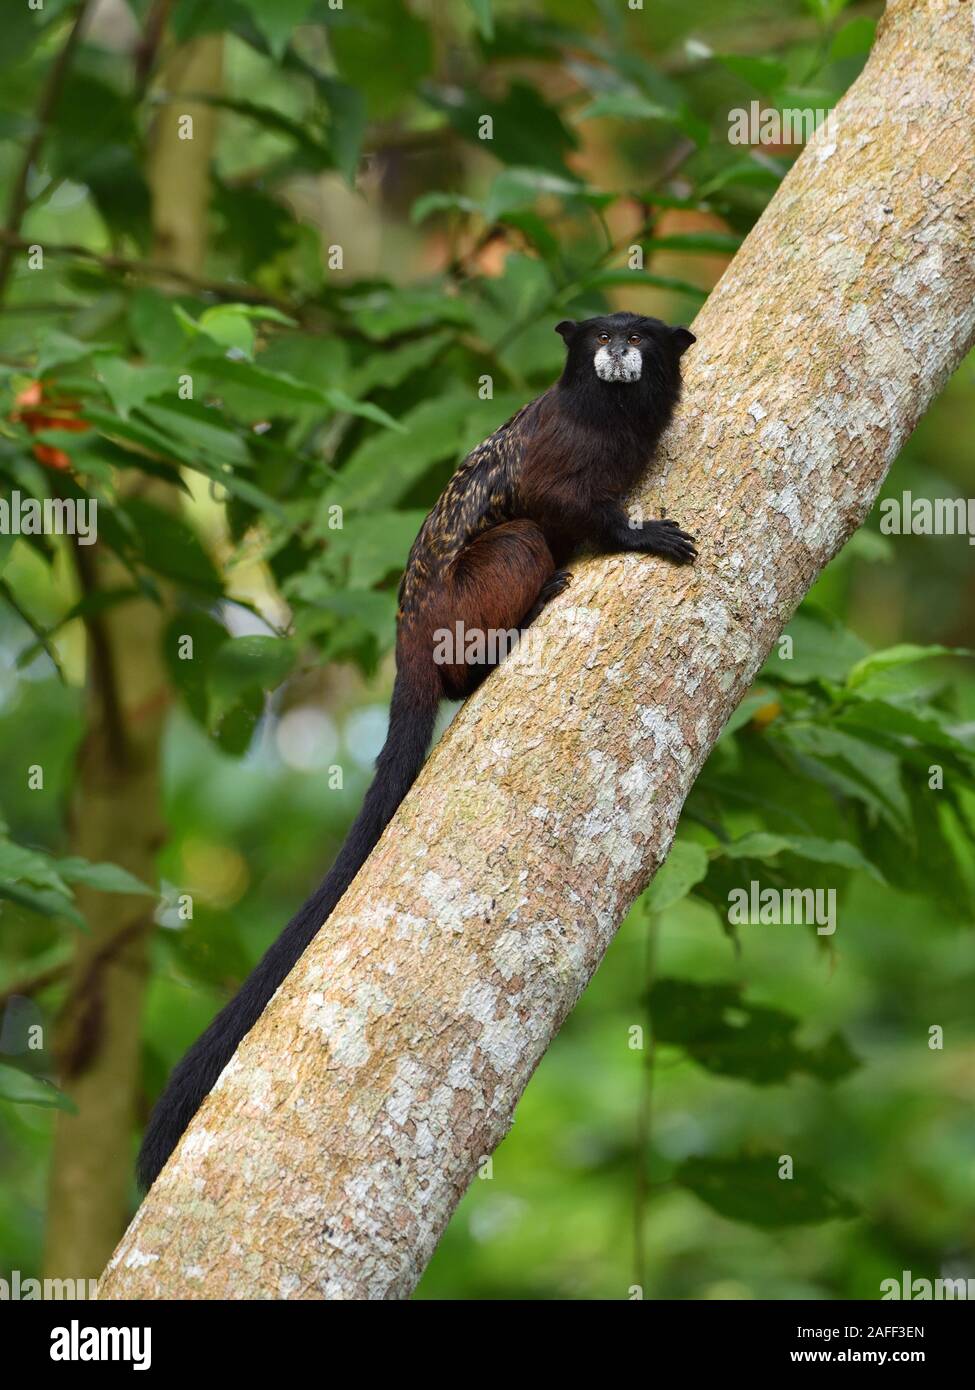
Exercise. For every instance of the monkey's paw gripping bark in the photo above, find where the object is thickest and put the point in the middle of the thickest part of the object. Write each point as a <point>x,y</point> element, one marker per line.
<point>664,537</point>
<point>555,585</point>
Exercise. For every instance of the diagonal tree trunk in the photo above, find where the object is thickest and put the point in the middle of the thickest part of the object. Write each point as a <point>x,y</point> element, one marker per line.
<point>338,1141</point>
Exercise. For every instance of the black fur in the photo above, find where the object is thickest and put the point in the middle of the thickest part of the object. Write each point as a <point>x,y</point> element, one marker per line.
<point>490,554</point>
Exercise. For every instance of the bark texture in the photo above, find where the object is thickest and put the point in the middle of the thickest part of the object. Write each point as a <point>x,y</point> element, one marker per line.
<point>338,1141</point>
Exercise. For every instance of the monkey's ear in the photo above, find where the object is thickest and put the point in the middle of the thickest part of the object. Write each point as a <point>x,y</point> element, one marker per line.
<point>566,329</point>
<point>683,337</point>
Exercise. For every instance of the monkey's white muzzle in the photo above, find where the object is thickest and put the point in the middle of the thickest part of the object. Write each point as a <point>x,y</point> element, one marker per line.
<point>618,366</point>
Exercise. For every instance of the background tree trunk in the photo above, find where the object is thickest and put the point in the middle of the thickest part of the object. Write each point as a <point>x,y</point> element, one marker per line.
<point>117,813</point>
<point>338,1141</point>
<point>116,816</point>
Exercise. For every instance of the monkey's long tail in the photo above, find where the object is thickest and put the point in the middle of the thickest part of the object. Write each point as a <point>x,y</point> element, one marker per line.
<point>412,716</point>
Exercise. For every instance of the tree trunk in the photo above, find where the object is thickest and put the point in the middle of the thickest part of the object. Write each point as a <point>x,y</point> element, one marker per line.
<point>338,1141</point>
<point>116,816</point>
<point>117,813</point>
<point>179,167</point>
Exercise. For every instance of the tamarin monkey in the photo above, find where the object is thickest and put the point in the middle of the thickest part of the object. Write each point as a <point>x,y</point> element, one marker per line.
<point>489,556</point>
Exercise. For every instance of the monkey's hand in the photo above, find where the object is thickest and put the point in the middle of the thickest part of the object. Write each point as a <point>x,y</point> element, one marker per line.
<point>613,530</point>
<point>664,537</point>
<point>556,584</point>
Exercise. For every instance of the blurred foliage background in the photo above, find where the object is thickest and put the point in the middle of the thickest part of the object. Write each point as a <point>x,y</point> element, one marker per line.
<point>263,349</point>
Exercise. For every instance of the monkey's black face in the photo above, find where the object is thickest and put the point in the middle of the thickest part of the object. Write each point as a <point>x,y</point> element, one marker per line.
<point>623,348</point>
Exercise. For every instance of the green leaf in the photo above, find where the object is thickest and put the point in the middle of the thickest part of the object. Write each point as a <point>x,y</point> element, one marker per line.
<point>341,400</point>
<point>234,726</point>
<point>189,643</point>
<point>245,490</point>
<point>232,325</point>
<point>750,172</point>
<point>870,547</point>
<point>860,769</point>
<point>685,865</point>
<point>251,376</point>
<point>199,428</point>
<point>394,365</point>
<point>822,649</point>
<point>484,17</point>
<point>527,130</point>
<point>34,881</point>
<point>267,387</point>
<point>766,75</point>
<point>278,20</point>
<point>749,1189</point>
<point>387,312</point>
<point>43,901</point>
<point>892,722</point>
<point>384,466</point>
<point>100,601</point>
<point>429,203</point>
<point>347,106</point>
<point>519,296</point>
<point>827,10</point>
<point>374,544</point>
<point>536,231</point>
<point>854,40</point>
<point>136,432</point>
<point>903,655</point>
<point>638,279</point>
<point>262,314</point>
<point>160,335</point>
<point>59,349</point>
<point>314,152</point>
<point>766,844</point>
<point>385,54</point>
<point>226,325</point>
<point>832,1060</point>
<point>129,386</point>
<point>171,547</point>
<point>746,711</point>
<point>248,663</point>
<point>22,29</point>
<point>347,624</point>
<point>106,878</point>
<point>310,357</point>
<point>21,865</point>
<point>628,104</point>
<point>729,1037</point>
<point>23,1089</point>
<point>255,229</point>
<point>520,187</point>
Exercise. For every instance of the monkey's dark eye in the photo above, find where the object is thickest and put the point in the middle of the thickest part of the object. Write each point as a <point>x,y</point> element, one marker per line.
<point>602,338</point>
<point>634,340</point>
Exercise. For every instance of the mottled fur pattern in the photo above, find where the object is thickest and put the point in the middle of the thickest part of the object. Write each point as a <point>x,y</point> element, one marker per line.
<point>489,556</point>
